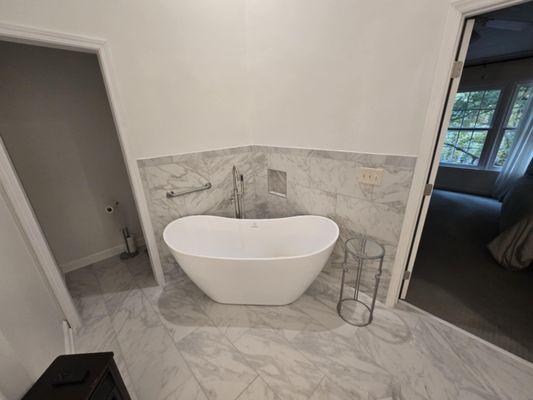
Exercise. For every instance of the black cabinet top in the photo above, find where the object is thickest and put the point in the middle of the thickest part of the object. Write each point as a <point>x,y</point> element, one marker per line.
<point>90,368</point>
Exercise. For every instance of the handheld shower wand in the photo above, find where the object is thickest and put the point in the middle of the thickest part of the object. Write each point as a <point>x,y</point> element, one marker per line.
<point>238,193</point>
<point>243,213</point>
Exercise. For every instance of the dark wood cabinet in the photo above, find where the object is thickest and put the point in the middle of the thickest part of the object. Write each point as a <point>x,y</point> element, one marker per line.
<point>92,376</point>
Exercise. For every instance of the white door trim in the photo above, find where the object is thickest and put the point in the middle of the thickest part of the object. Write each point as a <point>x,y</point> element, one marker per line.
<point>21,207</point>
<point>453,86</point>
<point>16,194</point>
<point>469,8</point>
<point>68,338</point>
<point>459,10</point>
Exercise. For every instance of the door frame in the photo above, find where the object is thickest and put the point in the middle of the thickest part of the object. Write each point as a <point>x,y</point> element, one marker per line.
<point>16,195</point>
<point>453,86</point>
<point>414,218</point>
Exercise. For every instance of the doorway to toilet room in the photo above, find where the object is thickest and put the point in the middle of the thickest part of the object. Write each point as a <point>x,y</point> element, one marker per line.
<point>473,266</point>
<point>58,131</point>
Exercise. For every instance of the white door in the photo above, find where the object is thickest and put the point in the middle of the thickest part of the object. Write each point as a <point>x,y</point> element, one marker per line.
<point>36,240</point>
<point>445,121</point>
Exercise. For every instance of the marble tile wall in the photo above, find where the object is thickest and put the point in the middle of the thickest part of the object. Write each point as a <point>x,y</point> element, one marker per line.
<point>325,183</point>
<point>318,182</point>
<point>191,170</point>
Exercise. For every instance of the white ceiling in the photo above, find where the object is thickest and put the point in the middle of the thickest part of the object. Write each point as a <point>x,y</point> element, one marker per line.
<point>502,35</point>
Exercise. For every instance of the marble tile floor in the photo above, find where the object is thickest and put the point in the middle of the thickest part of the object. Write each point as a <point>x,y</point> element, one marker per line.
<point>176,343</point>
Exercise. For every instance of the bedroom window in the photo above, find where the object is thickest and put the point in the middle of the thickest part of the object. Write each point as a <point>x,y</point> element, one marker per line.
<point>484,126</point>
<point>472,117</point>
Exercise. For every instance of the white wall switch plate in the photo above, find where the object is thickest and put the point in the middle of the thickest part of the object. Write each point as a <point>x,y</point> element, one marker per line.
<point>370,176</point>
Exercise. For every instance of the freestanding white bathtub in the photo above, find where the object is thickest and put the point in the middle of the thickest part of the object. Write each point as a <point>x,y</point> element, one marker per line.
<point>252,261</point>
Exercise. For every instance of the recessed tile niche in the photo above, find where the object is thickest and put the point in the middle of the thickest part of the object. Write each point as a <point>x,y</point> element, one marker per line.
<point>277,182</point>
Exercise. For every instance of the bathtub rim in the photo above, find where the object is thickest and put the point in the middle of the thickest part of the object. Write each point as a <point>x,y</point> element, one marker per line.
<point>331,243</point>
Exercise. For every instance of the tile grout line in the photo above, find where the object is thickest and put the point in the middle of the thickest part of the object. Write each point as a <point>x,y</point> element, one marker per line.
<point>290,345</point>
<point>324,374</point>
<point>247,386</point>
<point>464,332</point>
<point>318,386</point>
<point>204,390</point>
<point>115,334</point>
<point>258,375</point>
<point>248,364</point>
<point>459,356</point>
<point>232,345</point>
<point>167,332</point>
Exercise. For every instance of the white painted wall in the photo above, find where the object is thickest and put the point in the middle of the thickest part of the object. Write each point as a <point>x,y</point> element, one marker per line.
<point>57,126</point>
<point>179,65</point>
<point>14,379</point>
<point>204,74</point>
<point>343,74</point>
<point>31,333</point>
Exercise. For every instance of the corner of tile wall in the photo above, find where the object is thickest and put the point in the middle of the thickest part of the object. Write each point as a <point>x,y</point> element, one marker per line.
<point>185,171</point>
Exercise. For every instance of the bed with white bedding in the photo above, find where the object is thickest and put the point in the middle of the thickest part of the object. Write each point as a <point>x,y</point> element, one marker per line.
<point>513,247</point>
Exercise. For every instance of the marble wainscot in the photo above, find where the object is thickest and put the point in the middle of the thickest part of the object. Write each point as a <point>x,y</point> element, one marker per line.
<point>191,170</point>
<point>316,182</point>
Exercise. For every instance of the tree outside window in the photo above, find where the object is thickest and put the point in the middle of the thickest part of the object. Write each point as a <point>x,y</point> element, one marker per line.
<point>523,94</point>
<point>472,116</point>
<point>472,121</point>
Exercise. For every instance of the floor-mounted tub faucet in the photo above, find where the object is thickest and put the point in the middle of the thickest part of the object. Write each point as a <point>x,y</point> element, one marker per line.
<point>238,193</point>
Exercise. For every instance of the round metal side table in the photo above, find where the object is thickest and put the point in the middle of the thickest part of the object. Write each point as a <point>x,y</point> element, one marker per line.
<point>358,253</point>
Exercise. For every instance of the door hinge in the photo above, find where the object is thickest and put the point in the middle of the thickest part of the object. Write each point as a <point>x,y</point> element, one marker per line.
<point>428,189</point>
<point>457,69</point>
<point>406,275</point>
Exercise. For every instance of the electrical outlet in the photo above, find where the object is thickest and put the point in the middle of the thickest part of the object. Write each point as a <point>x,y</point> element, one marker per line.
<point>370,176</point>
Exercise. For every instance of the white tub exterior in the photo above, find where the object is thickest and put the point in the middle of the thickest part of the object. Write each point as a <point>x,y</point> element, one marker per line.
<point>252,261</point>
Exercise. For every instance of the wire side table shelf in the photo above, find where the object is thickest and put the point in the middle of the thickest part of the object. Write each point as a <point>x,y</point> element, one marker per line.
<point>358,252</point>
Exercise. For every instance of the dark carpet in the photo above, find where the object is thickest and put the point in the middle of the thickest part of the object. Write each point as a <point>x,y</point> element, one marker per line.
<point>456,278</point>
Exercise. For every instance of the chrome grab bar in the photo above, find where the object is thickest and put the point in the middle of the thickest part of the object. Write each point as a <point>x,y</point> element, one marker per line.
<point>172,193</point>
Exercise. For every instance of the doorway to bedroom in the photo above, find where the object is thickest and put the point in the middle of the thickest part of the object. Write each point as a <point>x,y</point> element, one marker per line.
<point>473,266</point>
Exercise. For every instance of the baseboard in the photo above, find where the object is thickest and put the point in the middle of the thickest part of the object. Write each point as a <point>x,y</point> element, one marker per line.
<point>95,257</point>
